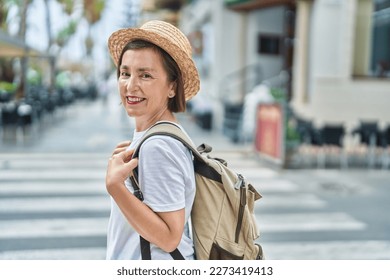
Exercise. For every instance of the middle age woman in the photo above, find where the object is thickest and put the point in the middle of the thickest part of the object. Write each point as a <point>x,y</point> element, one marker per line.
<point>156,76</point>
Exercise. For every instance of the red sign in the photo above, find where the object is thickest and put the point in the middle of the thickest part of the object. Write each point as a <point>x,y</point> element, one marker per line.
<point>269,130</point>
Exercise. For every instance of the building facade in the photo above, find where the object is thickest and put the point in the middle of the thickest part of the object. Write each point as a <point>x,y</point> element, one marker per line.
<point>341,62</point>
<point>335,53</point>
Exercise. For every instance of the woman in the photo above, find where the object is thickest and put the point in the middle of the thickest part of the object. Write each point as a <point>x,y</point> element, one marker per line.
<point>156,76</point>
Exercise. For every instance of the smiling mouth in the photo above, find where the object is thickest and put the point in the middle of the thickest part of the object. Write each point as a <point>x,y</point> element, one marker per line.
<point>134,100</point>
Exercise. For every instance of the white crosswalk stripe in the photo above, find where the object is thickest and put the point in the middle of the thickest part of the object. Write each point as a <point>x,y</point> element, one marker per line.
<point>328,250</point>
<point>297,200</point>
<point>309,222</point>
<point>43,188</point>
<point>27,175</point>
<point>98,253</point>
<point>54,204</point>
<point>53,228</point>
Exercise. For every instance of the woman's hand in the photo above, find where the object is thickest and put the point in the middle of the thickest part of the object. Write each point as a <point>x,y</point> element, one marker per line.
<point>122,146</point>
<point>120,166</point>
<point>168,225</point>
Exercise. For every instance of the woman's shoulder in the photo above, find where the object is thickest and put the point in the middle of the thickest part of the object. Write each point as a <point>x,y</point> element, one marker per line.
<point>162,144</point>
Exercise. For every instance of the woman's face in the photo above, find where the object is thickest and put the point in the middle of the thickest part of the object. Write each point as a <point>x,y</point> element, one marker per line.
<point>144,86</point>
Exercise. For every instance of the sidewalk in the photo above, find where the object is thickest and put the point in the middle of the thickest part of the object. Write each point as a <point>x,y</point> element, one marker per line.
<point>95,127</point>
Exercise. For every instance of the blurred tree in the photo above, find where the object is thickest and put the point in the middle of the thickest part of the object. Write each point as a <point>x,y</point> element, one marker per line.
<point>66,33</point>
<point>23,5</point>
<point>6,69</point>
<point>69,30</point>
<point>93,11</point>
<point>68,6</point>
<point>3,15</point>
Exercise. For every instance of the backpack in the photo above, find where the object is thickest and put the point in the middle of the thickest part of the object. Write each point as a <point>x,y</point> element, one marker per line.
<point>223,222</point>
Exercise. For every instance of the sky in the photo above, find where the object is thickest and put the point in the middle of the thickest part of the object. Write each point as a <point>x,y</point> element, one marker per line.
<point>112,19</point>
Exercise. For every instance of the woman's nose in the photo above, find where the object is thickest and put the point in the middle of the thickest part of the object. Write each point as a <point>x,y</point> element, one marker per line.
<point>131,83</point>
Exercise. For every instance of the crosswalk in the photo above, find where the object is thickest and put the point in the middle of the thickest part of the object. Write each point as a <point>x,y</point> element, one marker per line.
<point>55,206</point>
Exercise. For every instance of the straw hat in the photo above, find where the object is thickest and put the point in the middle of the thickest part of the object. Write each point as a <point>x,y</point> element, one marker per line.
<point>167,37</point>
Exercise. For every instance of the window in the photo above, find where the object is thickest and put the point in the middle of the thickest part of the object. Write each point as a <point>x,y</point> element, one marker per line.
<point>380,55</point>
<point>372,39</point>
<point>269,44</point>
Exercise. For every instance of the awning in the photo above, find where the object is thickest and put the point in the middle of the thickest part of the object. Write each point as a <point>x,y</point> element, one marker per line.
<point>14,47</point>
<point>248,5</point>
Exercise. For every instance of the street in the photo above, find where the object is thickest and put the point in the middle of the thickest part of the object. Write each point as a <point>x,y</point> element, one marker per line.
<point>53,202</point>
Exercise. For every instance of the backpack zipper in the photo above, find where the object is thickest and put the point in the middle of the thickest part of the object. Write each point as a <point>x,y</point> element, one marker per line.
<point>239,182</point>
<point>242,205</point>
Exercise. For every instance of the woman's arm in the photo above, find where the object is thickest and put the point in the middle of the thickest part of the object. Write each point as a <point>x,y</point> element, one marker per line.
<point>162,229</point>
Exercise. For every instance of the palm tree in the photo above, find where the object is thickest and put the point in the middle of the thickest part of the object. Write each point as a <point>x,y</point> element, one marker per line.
<point>93,11</point>
<point>3,15</point>
<point>24,5</point>
<point>6,70</point>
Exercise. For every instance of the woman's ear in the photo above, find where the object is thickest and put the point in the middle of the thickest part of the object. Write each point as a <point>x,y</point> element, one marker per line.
<point>172,92</point>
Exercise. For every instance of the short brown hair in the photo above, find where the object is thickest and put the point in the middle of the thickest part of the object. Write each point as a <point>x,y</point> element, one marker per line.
<point>177,103</point>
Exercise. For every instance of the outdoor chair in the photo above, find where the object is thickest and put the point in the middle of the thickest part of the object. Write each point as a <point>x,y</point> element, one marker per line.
<point>384,142</point>
<point>370,139</point>
<point>309,137</point>
<point>232,122</point>
<point>330,141</point>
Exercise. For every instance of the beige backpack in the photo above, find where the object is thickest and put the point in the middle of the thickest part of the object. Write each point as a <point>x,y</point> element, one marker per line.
<point>223,222</point>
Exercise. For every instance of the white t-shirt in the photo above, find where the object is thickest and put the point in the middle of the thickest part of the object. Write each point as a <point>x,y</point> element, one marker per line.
<point>167,180</point>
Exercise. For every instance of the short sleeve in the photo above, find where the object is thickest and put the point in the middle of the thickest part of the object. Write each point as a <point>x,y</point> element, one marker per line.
<point>162,173</point>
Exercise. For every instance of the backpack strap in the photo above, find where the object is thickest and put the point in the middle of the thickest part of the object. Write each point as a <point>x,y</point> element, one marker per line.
<point>170,129</point>
<point>174,131</point>
<point>144,244</point>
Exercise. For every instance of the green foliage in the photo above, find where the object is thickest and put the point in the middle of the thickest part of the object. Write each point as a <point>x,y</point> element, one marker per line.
<point>68,5</point>
<point>8,87</point>
<point>278,94</point>
<point>66,33</point>
<point>291,131</point>
<point>93,10</point>
<point>62,79</point>
<point>34,77</point>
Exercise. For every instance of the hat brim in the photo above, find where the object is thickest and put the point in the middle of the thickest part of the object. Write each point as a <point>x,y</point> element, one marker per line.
<point>120,38</point>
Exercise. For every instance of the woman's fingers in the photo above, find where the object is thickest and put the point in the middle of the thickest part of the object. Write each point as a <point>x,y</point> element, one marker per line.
<point>124,156</point>
<point>131,164</point>
<point>118,150</point>
<point>122,146</point>
<point>127,155</point>
<point>120,167</point>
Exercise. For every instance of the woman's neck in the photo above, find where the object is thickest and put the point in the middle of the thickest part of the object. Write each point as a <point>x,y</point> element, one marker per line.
<point>143,124</point>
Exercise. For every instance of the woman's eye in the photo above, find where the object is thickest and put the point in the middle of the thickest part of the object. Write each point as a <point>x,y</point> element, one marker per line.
<point>146,76</point>
<point>125,74</point>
